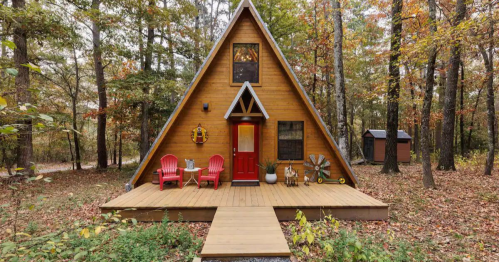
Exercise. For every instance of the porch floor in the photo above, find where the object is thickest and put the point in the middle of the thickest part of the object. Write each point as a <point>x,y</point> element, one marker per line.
<point>148,203</point>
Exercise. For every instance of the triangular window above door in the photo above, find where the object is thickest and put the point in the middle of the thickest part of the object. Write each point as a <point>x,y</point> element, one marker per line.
<point>246,104</point>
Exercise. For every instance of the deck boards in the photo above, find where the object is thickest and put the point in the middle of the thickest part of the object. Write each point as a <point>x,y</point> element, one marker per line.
<point>277,196</point>
<point>245,231</point>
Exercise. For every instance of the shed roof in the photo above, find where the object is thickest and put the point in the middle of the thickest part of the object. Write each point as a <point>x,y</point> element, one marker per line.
<point>401,134</point>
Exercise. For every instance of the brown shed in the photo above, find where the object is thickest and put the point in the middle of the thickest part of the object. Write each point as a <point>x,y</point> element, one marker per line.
<point>373,144</point>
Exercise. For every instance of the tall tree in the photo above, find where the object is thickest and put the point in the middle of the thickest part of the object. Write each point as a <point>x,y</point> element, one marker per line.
<point>441,94</point>
<point>339,81</point>
<point>101,89</point>
<point>488,60</point>
<point>446,160</point>
<point>391,165</point>
<point>197,37</point>
<point>74,101</point>
<point>23,95</point>
<point>461,114</point>
<point>428,180</point>
<point>144,129</point>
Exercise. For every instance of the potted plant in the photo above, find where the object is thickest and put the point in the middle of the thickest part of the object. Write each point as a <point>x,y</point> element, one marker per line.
<point>270,167</point>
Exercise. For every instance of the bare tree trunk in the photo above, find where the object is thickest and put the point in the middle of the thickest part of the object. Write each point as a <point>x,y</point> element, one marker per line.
<point>120,158</point>
<point>101,89</point>
<point>446,160</point>
<point>428,181</point>
<point>71,151</point>
<point>461,115</point>
<point>441,95</point>
<point>350,154</point>
<point>491,114</point>
<point>472,124</point>
<point>197,37</point>
<point>144,129</point>
<point>314,82</point>
<point>329,106</point>
<point>391,165</point>
<point>339,81</point>
<point>23,95</point>
<point>74,101</point>
<point>115,146</point>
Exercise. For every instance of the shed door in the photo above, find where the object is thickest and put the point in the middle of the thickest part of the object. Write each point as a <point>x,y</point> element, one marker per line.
<point>245,148</point>
<point>369,148</point>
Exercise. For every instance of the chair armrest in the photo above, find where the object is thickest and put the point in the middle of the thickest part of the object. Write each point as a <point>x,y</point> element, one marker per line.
<point>200,172</point>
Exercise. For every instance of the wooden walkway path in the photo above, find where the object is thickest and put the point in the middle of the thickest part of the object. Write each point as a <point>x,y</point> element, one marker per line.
<point>245,231</point>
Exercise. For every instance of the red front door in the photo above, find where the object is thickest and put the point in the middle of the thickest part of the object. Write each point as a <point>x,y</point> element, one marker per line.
<point>245,150</point>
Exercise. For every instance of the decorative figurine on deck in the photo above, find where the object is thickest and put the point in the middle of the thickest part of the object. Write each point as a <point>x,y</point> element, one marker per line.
<point>199,135</point>
<point>306,180</point>
<point>317,166</point>
<point>291,175</point>
<point>319,169</point>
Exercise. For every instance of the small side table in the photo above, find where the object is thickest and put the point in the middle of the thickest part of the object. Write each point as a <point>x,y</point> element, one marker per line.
<point>192,171</point>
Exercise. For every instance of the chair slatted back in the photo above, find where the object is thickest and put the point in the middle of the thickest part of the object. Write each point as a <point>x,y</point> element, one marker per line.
<point>215,164</point>
<point>169,165</point>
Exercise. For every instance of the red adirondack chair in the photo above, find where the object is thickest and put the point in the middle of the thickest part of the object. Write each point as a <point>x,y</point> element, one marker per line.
<point>168,171</point>
<point>215,167</point>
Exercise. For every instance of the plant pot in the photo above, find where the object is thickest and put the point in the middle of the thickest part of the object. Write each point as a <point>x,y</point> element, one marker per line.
<point>271,178</point>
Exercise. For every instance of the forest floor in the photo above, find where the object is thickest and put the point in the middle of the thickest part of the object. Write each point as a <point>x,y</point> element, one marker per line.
<point>44,168</point>
<point>457,222</point>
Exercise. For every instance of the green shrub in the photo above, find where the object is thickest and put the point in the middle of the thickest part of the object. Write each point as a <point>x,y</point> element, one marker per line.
<point>112,239</point>
<point>155,243</point>
<point>333,244</point>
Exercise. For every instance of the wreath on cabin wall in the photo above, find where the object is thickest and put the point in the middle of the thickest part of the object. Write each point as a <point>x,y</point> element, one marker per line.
<point>199,135</point>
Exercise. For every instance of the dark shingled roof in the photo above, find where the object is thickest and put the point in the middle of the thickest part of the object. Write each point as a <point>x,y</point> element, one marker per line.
<point>382,134</point>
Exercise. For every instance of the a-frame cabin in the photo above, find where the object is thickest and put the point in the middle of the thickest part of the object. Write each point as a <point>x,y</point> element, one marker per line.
<point>245,82</point>
<point>252,108</point>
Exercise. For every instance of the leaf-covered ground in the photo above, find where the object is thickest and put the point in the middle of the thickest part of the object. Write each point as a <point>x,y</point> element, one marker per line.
<point>458,221</point>
<point>71,196</point>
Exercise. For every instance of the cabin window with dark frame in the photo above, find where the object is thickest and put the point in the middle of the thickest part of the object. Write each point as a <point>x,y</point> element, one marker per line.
<point>290,144</point>
<point>245,63</point>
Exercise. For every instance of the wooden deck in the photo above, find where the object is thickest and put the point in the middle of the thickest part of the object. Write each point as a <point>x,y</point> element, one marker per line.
<point>148,203</point>
<point>245,231</point>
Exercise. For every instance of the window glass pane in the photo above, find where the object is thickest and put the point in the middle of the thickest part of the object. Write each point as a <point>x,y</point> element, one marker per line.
<point>290,136</point>
<point>245,72</point>
<point>290,130</point>
<point>245,63</point>
<point>290,150</point>
<point>246,138</point>
<point>245,52</point>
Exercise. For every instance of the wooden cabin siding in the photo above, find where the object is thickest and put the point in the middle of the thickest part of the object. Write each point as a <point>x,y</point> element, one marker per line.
<point>403,151</point>
<point>277,94</point>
